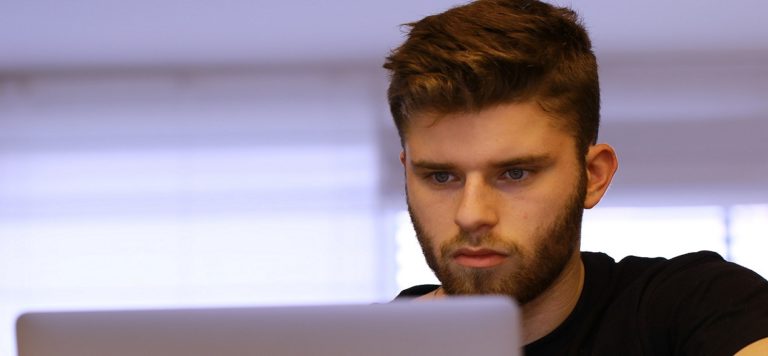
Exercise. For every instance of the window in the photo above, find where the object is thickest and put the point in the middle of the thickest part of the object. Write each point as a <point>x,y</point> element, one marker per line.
<point>654,231</point>
<point>170,228</point>
<point>749,236</point>
<point>158,189</point>
<point>411,267</point>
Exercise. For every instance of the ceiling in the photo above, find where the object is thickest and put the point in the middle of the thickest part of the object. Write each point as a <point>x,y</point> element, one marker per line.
<point>46,34</point>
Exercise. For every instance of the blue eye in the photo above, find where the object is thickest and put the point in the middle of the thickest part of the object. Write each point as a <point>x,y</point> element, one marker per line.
<point>441,177</point>
<point>516,173</point>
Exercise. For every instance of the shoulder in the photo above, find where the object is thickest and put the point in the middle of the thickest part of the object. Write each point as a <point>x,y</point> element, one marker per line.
<point>695,259</point>
<point>702,273</point>
<point>695,280</point>
<point>658,270</point>
<point>603,272</point>
<point>691,304</point>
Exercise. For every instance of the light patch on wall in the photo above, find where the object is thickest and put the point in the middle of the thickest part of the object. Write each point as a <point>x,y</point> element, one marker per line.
<point>411,267</point>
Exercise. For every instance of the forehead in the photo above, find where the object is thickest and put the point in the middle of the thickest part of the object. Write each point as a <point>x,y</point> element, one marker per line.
<point>497,133</point>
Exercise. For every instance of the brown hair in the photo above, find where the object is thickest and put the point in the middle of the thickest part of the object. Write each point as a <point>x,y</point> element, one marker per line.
<point>491,52</point>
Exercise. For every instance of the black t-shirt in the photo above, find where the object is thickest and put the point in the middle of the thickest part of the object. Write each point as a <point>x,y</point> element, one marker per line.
<point>694,304</point>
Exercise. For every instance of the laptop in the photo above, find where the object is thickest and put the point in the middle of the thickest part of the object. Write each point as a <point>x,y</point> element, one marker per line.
<point>461,326</point>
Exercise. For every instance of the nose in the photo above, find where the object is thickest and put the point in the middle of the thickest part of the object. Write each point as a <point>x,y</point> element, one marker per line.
<point>476,214</point>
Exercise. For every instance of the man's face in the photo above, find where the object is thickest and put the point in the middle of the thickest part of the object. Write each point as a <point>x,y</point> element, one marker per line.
<point>496,198</point>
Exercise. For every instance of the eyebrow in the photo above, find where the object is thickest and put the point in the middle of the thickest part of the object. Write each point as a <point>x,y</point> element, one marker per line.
<point>540,159</point>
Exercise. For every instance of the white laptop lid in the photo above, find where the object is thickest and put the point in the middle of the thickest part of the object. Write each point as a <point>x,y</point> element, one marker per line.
<point>486,326</point>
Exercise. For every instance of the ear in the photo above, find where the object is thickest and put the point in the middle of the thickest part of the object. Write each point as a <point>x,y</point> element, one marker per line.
<point>601,164</point>
<point>402,157</point>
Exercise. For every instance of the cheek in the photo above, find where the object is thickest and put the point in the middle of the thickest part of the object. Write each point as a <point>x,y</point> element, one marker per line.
<point>429,203</point>
<point>525,216</point>
<point>552,194</point>
<point>434,211</point>
<point>435,214</point>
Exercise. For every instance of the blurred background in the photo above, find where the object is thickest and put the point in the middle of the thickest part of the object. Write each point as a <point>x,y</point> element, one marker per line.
<point>175,153</point>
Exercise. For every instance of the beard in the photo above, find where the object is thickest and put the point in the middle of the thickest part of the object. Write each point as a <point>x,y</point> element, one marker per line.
<point>534,271</point>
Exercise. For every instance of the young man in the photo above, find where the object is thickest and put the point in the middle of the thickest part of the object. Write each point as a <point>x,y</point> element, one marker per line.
<point>497,107</point>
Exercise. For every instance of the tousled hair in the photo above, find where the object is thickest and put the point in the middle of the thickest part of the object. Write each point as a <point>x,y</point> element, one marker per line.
<point>492,52</point>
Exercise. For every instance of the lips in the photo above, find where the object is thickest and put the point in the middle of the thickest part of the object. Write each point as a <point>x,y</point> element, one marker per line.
<point>479,258</point>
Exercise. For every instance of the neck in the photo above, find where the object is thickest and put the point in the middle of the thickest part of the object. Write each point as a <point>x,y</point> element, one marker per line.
<point>545,313</point>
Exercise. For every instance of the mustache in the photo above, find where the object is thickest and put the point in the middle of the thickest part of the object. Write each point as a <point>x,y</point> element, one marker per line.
<point>487,241</point>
